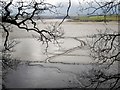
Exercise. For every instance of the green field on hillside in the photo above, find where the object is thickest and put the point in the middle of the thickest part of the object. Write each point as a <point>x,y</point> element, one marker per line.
<point>96,18</point>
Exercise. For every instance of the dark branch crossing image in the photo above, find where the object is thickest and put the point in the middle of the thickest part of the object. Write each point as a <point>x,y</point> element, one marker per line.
<point>59,44</point>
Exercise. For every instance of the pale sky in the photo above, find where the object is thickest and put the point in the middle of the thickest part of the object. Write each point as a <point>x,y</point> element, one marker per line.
<point>74,10</point>
<point>54,2</point>
<point>73,1</point>
<point>58,1</point>
<point>51,1</point>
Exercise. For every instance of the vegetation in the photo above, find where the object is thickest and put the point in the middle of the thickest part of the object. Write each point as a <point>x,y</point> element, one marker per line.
<point>104,49</point>
<point>99,18</point>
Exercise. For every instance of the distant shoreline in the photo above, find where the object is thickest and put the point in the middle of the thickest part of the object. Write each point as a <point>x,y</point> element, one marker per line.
<point>98,18</point>
<point>72,20</point>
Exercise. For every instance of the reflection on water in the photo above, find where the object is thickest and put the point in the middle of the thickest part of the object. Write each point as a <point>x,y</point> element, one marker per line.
<point>57,72</point>
<point>45,76</point>
<point>29,49</point>
<point>32,50</point>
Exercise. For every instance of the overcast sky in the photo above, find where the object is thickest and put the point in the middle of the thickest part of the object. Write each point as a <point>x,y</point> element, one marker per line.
<point>74,10</point>
<point>63,1</point>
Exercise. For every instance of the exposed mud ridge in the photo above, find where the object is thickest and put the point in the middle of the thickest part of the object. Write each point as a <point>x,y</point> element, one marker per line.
<point>68,52</point>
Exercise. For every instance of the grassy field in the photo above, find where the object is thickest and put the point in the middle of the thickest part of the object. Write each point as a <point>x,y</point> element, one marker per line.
<point>96,18</point>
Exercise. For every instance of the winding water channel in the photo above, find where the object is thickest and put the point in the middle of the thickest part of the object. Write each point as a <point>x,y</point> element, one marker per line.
<point>61,65</point>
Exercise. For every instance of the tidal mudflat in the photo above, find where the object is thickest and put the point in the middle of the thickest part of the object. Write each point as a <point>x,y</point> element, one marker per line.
<point>61,65</point>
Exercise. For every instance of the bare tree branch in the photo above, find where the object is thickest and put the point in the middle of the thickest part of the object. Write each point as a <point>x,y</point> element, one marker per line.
<point>27,12</point>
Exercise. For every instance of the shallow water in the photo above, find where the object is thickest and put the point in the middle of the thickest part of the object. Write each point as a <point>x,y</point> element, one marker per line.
<point>44,76</point>
<point>30,49</point>
<point>61,69</point>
